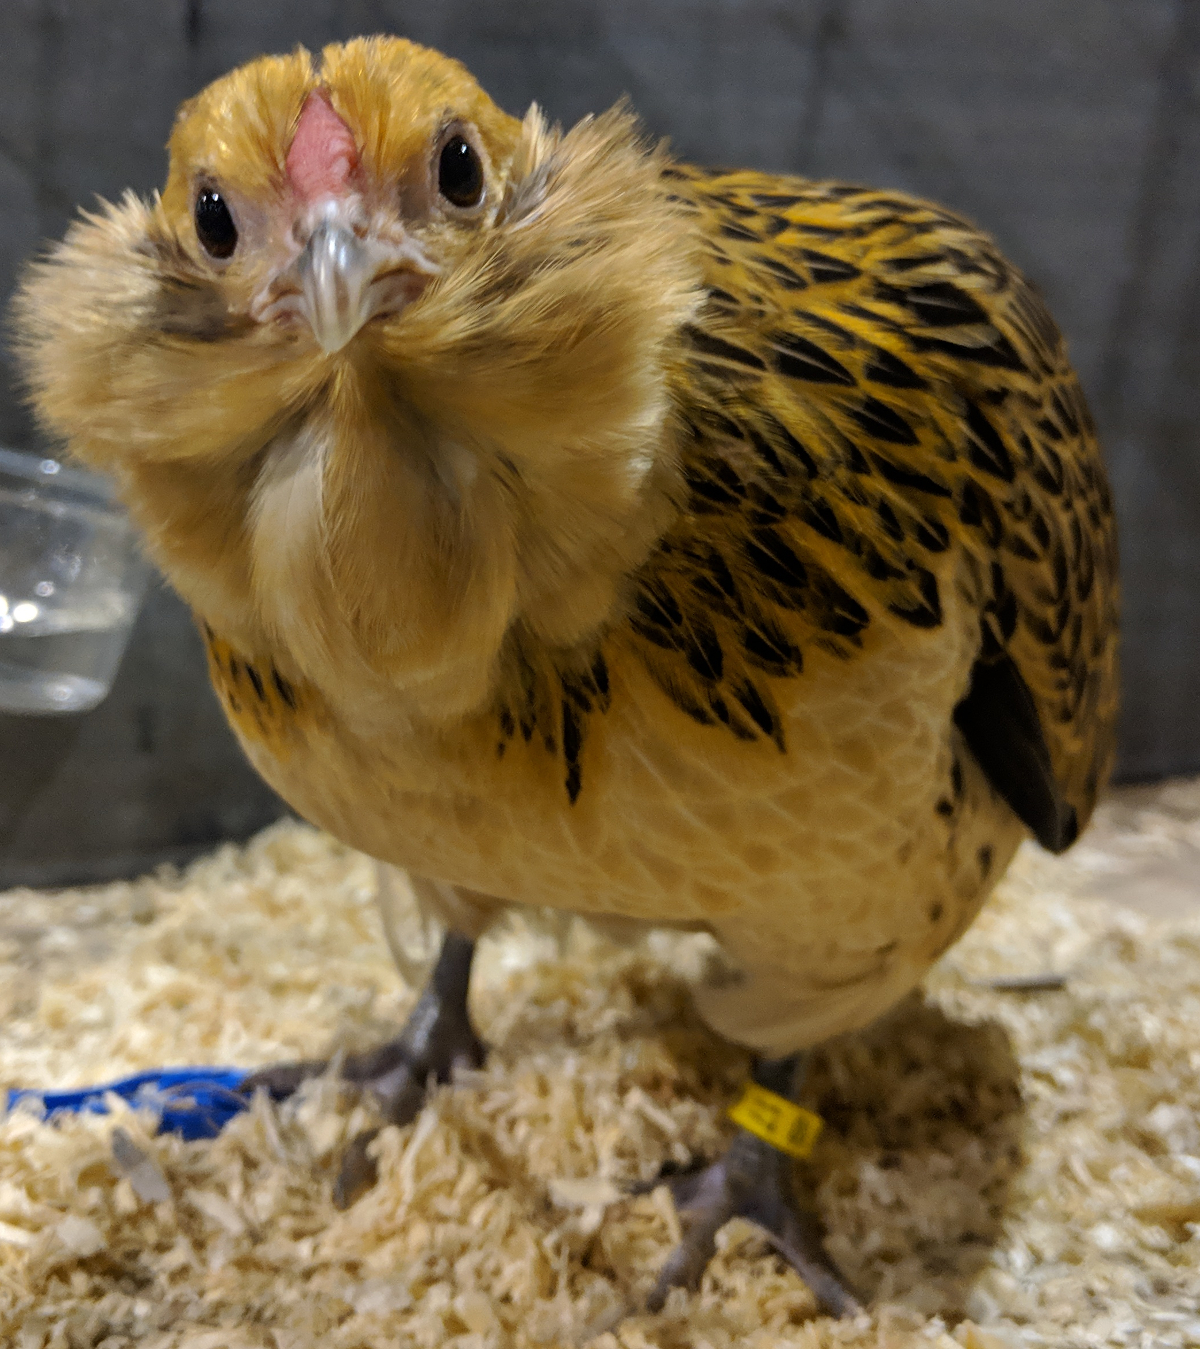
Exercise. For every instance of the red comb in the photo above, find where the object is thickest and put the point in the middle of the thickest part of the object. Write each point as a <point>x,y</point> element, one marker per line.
<point>323,154</point>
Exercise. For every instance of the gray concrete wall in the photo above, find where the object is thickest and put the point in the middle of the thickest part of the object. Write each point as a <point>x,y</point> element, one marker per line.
<point>1069,128</point>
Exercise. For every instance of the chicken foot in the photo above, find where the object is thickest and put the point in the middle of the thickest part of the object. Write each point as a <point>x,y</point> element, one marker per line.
<point>751,1180</point>
<point>437,1038</point>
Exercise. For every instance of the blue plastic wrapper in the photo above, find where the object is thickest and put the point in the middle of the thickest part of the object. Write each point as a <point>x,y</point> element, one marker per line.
<point>193,1102</point>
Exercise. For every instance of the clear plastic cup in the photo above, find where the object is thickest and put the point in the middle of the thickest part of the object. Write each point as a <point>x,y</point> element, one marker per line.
<point>71,583</point>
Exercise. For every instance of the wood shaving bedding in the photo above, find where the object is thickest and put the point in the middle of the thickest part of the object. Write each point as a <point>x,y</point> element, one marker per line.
<point>999,1167</point>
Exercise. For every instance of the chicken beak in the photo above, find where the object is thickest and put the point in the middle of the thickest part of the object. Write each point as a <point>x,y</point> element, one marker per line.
<point>335,272</point>
<point>345,276</point>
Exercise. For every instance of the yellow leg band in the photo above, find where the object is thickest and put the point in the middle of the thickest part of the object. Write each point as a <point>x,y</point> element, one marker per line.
<point>776,1120</point>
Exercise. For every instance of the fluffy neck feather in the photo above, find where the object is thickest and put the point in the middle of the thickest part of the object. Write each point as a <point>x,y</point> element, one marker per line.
<point>381,521</point>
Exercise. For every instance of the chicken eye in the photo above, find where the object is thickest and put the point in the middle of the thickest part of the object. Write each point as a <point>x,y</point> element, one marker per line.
<point>214,224</point>
<point>460,174</point>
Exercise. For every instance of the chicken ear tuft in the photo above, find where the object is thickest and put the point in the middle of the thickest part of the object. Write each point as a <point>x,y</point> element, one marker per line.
<point>532,165</point>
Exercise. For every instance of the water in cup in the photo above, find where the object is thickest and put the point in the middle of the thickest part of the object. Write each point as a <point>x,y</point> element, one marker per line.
<point>71,583</point>
<point>61,658</point>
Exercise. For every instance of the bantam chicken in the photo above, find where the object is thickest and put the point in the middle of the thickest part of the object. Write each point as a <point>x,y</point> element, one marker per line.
<point>570,526</point>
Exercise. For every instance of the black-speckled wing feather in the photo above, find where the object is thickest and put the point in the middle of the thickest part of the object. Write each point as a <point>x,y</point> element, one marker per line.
<point>870,391</point>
